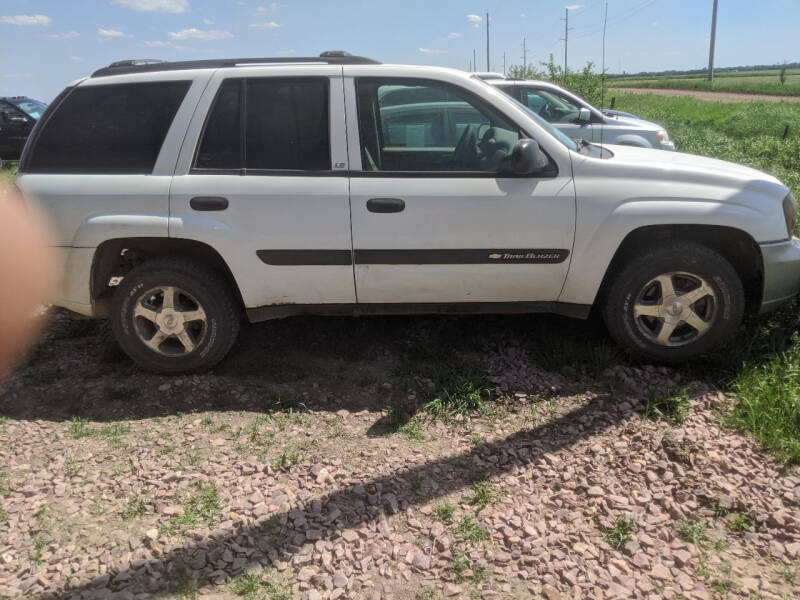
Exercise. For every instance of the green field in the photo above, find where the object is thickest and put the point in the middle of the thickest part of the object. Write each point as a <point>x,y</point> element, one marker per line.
<point>761,367</point>
<point>749,82</point>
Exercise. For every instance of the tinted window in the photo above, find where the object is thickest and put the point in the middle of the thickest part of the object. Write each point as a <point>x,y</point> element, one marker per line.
<point>551,106</point>
<point>286,126</point>
<point>221,146</point>
<point>429,126</point>
<point>108,129</point>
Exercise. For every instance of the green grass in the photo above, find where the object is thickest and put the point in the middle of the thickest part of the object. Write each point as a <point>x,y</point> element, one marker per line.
<point>258,586</point>
<point>621,533</point>
<point>464,399</point>
<point>768,404</point>
<point>669,405</point>
<point>7,175</point>
<point>484,494</point>
<point>754,82</point>
<point>445,512</point>
<point>469,531</point>
<point>694,532</point>
<point>200,505</point>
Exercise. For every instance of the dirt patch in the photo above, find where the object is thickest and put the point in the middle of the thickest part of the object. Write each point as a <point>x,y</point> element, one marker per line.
<point>707,95</point>
<point>305,467</point>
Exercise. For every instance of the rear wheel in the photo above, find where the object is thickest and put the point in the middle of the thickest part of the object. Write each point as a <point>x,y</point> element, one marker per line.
<point>674,302</point>
<point>172,316</point>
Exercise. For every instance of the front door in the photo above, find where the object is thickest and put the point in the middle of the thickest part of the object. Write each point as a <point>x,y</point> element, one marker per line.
<point>263,180</point>
<point>559,110</point>
<point>433,220</point>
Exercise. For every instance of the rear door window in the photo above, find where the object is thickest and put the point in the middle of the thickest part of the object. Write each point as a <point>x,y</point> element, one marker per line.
<point>108,129</point>
<point>286,126</point>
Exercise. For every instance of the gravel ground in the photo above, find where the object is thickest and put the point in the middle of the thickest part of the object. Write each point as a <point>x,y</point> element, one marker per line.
<point>286,474</point>
<point>707,95</point>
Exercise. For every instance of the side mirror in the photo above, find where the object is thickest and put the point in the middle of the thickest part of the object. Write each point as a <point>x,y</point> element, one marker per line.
<point>527,158</point>
<point>584,115</point>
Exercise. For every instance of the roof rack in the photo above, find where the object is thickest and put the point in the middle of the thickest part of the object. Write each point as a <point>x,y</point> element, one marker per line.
<point>330,57</point>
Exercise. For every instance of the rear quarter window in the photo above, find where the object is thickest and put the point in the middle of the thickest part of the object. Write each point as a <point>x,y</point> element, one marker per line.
<point>107,129</point>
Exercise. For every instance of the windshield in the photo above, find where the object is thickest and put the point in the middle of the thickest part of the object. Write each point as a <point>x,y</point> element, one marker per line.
<point>32,108</point>
<point>560,136</point>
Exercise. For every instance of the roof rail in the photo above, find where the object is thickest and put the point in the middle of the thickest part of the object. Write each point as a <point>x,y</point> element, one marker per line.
<point>331,57</point>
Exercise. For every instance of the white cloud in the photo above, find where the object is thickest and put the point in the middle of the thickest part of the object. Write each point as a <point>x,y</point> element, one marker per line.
<point>108,34</point>
<point>572,6</point>
<point>522,15</point>
<point>165,6</point>
<point>208,22</point>
<point>268,7</point>
<point>431,51</point>
<point>75,58</point>
<point>452,36</point>
<point>26,20</point>
<point>200,34</point>
<point>166,44</point>
<point>266,25</point>
<point>474,18</point>
<point>62,36</point>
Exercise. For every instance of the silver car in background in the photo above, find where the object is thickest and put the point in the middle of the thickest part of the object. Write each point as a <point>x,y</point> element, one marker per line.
<point>579,119</point>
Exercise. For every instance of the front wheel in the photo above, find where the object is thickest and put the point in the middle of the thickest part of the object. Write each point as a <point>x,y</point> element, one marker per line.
<point>172,316</point>
<point>675,302</point>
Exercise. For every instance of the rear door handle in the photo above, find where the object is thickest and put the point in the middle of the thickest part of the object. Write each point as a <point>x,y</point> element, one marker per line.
<point>385,205</point>
<point>208,203</point>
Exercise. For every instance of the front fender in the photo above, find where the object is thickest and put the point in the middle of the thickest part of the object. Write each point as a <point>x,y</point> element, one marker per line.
<point>630,139</point>
<point>597,245</point>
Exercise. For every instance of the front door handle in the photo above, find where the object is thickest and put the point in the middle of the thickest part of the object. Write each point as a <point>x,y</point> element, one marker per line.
<point>208,203</point>
<point>385,205</point>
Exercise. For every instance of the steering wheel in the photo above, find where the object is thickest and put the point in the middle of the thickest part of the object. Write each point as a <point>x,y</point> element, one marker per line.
<point>465,150</point>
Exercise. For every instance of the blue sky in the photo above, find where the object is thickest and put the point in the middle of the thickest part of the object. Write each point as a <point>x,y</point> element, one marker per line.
<point>45,44</point>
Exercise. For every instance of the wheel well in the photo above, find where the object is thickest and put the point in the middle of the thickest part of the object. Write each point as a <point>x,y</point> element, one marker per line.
<point>115,258</point>
<point>736,246</point>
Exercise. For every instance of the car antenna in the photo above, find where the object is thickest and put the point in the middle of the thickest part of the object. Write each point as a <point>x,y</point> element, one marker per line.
<point>603,80</point>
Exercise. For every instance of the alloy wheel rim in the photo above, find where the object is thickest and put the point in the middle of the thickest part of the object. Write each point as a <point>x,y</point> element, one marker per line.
<point>675,309</point>
<point>169,321</point>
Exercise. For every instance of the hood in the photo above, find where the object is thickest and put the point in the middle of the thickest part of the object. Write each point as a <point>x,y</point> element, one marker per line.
<point>692,167</point>
<point>632,122</point>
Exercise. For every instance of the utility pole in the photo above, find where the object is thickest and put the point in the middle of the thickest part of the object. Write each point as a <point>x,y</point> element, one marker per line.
<point>474,64</point>
<point>504,63</point>
<point>488,68</point>
<point>524,55</point>
<point>566,37</point>
<point>713,40</point>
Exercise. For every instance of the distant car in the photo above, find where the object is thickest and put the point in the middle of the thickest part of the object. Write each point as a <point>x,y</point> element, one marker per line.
<point>580,120</point>
<point>18,115</point>
<point>487,75</point>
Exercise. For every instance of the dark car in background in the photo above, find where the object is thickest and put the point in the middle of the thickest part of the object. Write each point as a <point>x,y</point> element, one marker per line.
<point>18,115</point>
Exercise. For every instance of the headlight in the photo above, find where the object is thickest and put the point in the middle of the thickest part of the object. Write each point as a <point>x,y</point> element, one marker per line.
<point>790,212</point>
<point>662,136</point>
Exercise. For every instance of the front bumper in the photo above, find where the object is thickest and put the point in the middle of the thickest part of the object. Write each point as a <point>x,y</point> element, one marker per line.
<point>668,146</point>
<point>781,272</point>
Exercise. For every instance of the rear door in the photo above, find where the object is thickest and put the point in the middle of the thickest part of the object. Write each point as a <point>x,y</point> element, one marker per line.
<point>262,178</point>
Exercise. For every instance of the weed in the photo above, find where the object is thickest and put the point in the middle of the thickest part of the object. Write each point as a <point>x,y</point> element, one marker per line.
<point>38,549</point>
<point>136,506</point>
<point>266,585</point>
<point>484,494</point>
<point>444,512</point>
<point>428,593</point>
<point>201,505</point>
<point>694,532</point>
<point>412,430</point>
<point>458,563</point>
<point>463,400</point>
<point>470,531</point>
<point>738,522</point>
<point>78,428</point>
<point>622,532</point>
<point>3,514</point>
<point>721,586</point>
<point>674,405</point>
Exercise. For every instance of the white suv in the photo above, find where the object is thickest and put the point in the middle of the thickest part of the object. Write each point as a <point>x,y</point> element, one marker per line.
<point>578,119</point>
<point>185,195</point>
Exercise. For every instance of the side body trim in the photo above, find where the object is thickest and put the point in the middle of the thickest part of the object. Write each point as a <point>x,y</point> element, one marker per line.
<point>446,256</point>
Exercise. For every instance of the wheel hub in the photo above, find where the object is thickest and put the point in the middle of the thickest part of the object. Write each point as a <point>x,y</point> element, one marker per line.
<point>676,308</point>
<point>170,321</point>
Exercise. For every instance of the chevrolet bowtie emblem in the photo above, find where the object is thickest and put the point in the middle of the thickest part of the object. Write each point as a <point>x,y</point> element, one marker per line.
<point>495,256</point>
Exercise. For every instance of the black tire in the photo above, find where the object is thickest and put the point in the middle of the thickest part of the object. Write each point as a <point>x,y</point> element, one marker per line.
<point>212,337</point>
<point>680,263</point>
